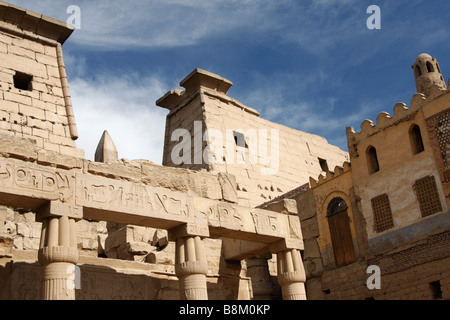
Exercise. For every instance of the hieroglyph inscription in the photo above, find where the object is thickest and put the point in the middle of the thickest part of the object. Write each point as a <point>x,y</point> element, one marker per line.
<point>223,215</point>
<point>128,197</point>
<point>295,230</point>
<point>265,222</point>
<point>35,181</point>
<point>273,223</point>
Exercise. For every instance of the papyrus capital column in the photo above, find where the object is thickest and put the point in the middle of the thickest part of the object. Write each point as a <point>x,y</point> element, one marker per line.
<point>291,272</point>
<point>191,266</point>
<point>58,253</point>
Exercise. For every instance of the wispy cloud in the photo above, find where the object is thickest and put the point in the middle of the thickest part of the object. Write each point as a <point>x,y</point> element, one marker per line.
<point>314,26</point>
<point>125,106</point>
<point>117,25</point>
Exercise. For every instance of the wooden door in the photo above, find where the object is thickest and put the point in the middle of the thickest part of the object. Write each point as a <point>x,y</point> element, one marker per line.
<point>341,238</point>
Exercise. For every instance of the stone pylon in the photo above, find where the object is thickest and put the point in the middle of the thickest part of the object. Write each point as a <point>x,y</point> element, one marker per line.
<point>106,150</point>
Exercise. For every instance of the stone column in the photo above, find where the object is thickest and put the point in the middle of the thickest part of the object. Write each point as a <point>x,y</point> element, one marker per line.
<point>58,253</point>
<point>291,273</point>
<point>191,266</point>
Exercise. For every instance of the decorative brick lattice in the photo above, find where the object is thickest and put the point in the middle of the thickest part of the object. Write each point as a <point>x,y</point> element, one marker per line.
<point>447,151</point>
<point>428,196</point>
<point>382,213</point>
<point>441,126</point>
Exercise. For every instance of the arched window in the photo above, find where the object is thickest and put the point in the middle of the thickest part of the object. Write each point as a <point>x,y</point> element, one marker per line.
<point>415,137</point>
<point>417,71</point>
<point>372,160</point>
<point>430,67</point>
<point>341,236</point>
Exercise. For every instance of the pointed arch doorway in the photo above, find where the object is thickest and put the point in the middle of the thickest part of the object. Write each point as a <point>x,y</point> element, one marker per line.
<point>341,236</point>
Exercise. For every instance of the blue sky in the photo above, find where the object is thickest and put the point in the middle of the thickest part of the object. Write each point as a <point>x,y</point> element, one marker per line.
<point>310,65</point>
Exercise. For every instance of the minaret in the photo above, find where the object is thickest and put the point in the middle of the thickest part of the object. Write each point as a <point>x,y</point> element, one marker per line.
<point>427,74</point>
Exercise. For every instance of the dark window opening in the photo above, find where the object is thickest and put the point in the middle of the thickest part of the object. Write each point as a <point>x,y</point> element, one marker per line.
<point>417,71</point>
<point>23,81</point>
<point>430,67</point>
<point>372,160</point>
<point>323,164</point>
<point>239,139</point>
<point>416,140</point>
<point>436,289</point>
<point>437,67</point>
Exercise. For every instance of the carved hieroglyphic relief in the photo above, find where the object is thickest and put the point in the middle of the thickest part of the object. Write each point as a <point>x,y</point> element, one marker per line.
<point>128,197</point>
<point>35,181</point>
<point>265,222</point>
<point>295,230</point>
<point>223,215</point>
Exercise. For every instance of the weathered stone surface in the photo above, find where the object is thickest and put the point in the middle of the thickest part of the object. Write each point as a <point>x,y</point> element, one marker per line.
<point>160,238</point>
<point>229,186</point>
<point>164,256</point>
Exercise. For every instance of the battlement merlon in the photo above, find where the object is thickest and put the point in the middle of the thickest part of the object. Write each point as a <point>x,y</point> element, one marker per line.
<point>28,23</point>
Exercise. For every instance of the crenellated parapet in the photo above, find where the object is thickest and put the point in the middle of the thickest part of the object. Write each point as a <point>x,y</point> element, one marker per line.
<point>385,120</point>
<point>330,175</point>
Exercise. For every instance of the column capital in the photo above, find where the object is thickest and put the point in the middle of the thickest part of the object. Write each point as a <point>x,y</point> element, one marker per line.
<point>59,209</point>
<point>291,274</point>
<point>66,254</point>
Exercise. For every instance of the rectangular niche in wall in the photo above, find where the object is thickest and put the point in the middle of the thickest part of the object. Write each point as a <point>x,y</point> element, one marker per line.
<point>23,81</point>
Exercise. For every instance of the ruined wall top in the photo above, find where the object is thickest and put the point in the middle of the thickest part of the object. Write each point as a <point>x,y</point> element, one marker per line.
<point>197,84</point>
<point>38,24</point>
<point>202,78</point>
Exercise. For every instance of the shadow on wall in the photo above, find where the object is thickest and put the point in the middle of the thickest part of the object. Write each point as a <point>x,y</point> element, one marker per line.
<point>22,281</point>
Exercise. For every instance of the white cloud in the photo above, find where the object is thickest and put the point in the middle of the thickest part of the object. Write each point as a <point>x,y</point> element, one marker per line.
<point>118,25</point>
<point>125,106</point>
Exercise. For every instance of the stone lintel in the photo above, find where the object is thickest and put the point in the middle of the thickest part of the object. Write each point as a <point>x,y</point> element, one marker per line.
<point>286,244</point>
<point>188,230</point>
<point>58,209</point>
